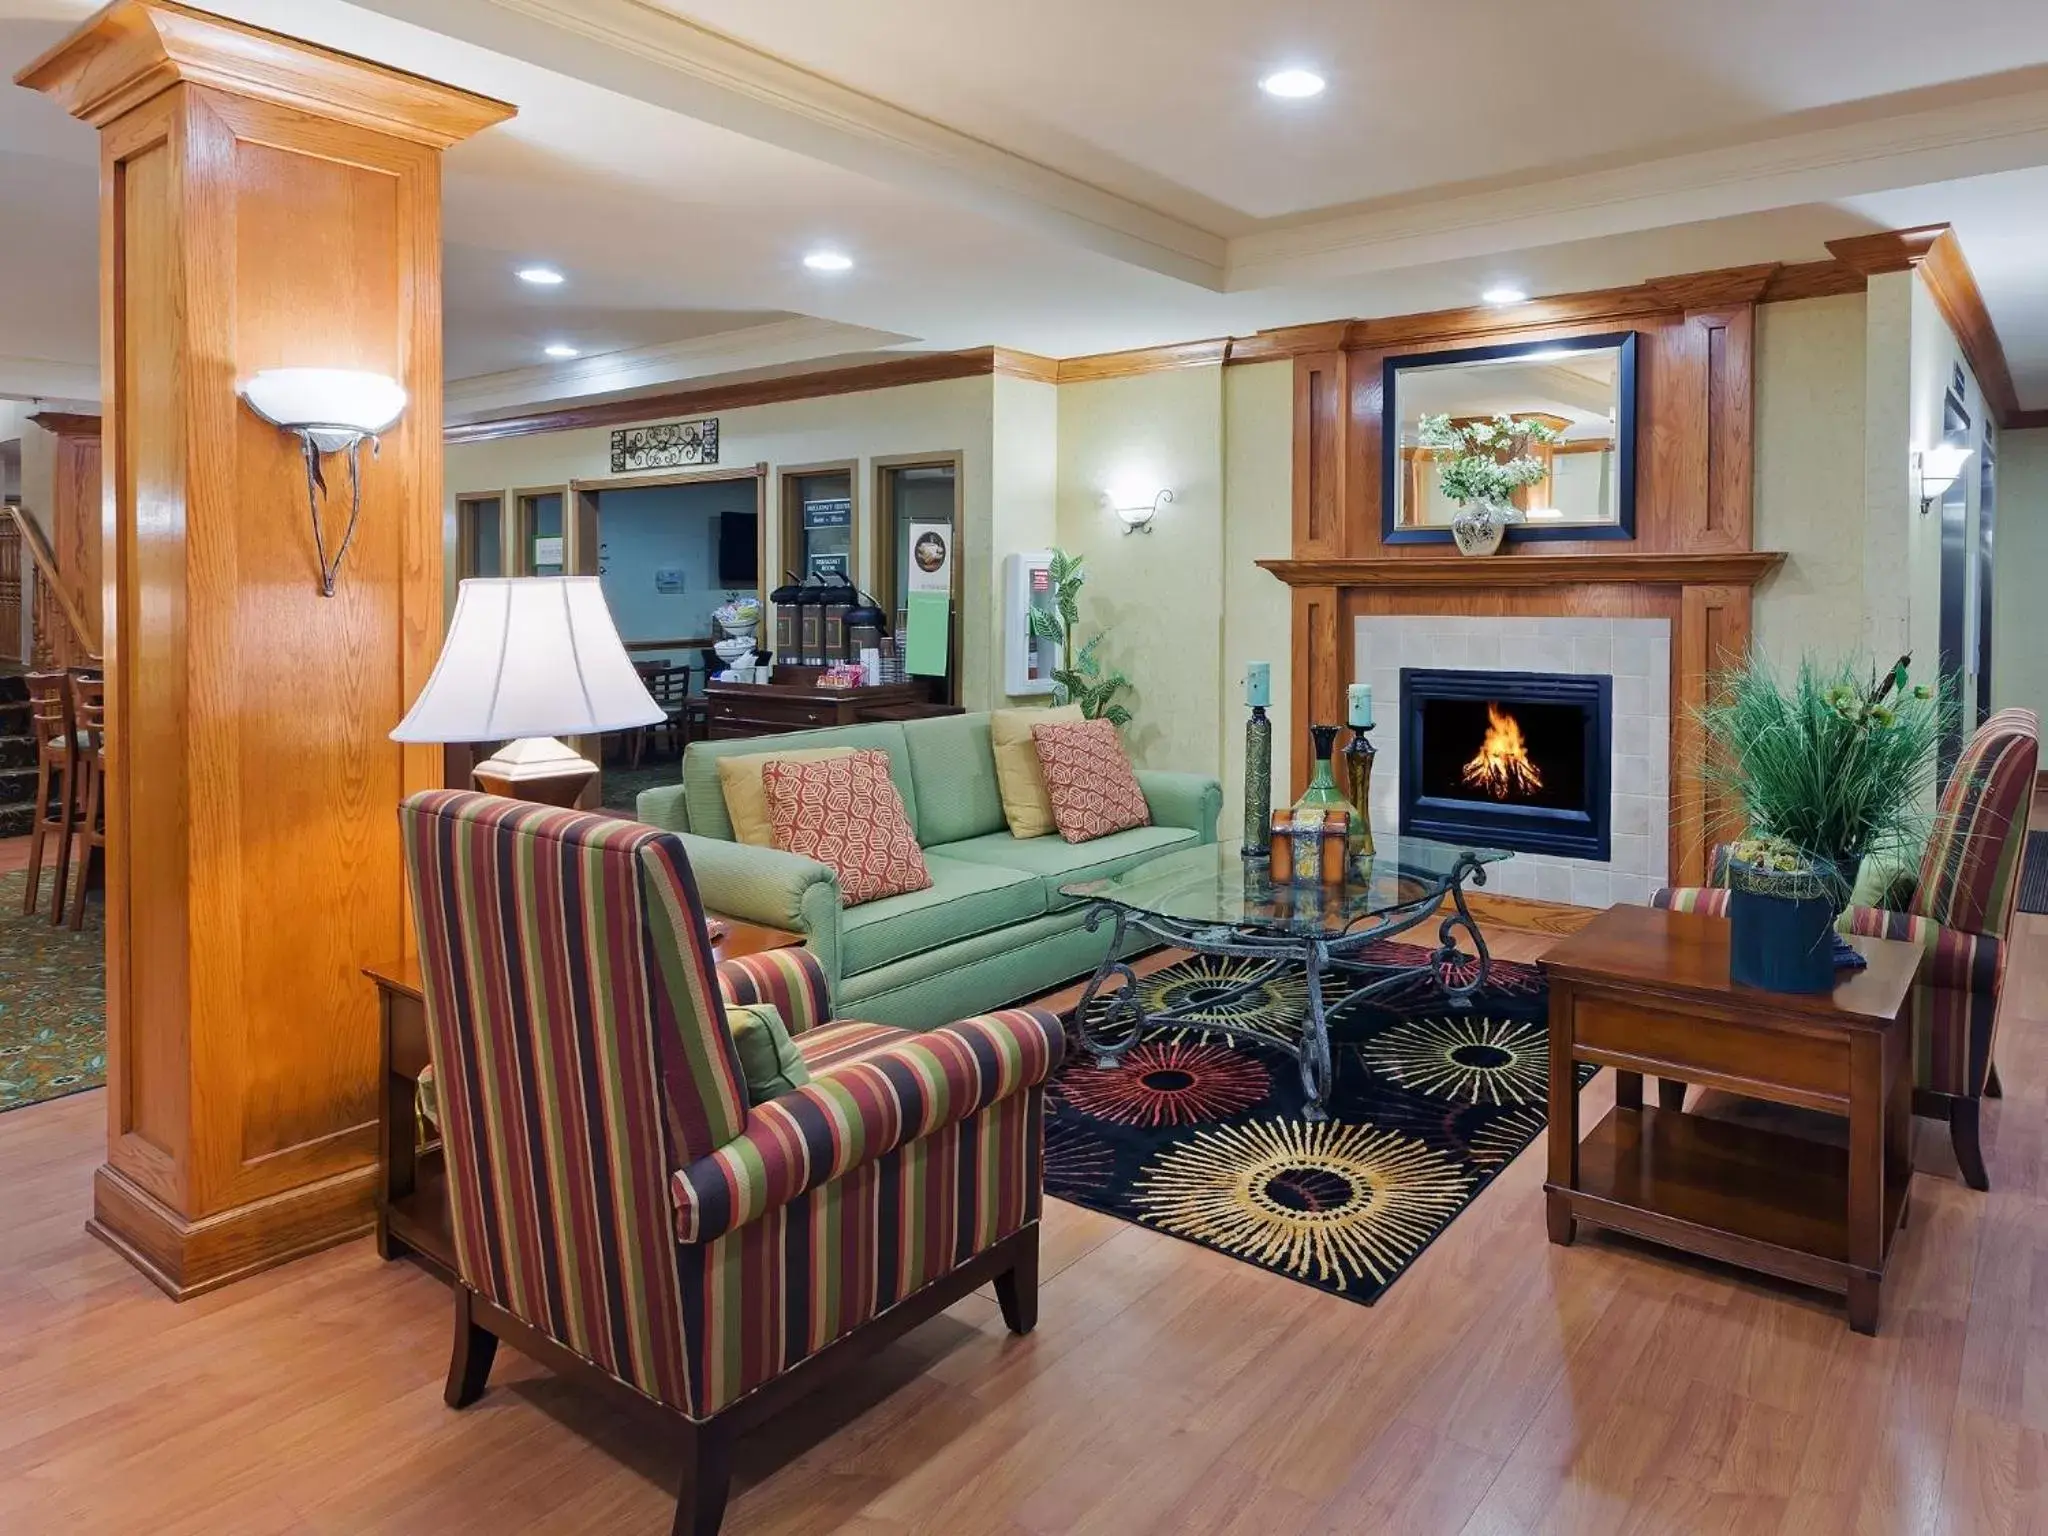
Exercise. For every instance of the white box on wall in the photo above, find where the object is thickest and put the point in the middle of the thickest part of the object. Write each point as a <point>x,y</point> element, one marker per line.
<point>1028,661</point>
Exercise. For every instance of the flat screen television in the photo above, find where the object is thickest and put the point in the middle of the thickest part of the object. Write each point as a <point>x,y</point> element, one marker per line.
<point>739,563</point>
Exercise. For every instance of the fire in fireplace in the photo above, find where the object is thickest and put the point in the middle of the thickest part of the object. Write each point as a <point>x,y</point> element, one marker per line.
<point>1514,759</point>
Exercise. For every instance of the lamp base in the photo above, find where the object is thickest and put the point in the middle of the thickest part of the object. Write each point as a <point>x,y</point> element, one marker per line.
<point>537,768</point>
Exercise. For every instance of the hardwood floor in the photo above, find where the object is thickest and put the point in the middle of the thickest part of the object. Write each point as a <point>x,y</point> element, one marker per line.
<point>1502,1386</point>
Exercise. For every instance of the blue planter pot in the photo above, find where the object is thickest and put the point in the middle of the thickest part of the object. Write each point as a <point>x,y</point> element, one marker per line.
<point>1781,943</point>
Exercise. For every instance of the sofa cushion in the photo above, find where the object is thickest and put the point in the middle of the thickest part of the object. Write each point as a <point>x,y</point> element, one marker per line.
<point>705,797</point>
<point>845,812</point>
<point>1056,862</point>
<point>746,801</point>
<point>964,899</point>
<point>955,771</point>
<point>769,1059</point>
<point>1089,777</point>
<point>1027,808</point>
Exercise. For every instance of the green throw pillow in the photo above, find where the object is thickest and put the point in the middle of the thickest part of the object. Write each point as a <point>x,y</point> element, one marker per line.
<point>768,1057</point>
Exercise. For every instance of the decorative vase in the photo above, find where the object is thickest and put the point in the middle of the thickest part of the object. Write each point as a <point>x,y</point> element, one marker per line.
<point>1479,526</point>
<point>1781,928</point>
<point>1358,756</point>
<point>1322,793</point>
<point>1258,782</point>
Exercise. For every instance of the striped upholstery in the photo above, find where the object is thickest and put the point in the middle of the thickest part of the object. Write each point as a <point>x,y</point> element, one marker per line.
<point>791,979</point>
<point>1969,879</point>
<point>854,1112</point>
<point>767,1295</point>
<point>588,1085</point>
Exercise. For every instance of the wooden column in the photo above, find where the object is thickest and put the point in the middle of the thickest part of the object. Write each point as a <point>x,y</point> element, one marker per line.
<point>264,204</point>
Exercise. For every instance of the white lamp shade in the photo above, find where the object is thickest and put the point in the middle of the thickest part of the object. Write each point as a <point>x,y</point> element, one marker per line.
<point>326,397</point>
<point>529,656</point>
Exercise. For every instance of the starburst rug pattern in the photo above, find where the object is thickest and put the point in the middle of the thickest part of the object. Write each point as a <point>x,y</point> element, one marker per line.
<point>53,1000</point>
<point>1201,1135</point>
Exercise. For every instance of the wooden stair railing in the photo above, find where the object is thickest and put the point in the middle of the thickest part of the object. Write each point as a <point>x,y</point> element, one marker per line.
<point>58,633</point>
<point>13,644</point>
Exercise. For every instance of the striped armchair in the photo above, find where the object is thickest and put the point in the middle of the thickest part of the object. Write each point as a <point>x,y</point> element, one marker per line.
<point>1959,916</point>
<point>622,1210</point>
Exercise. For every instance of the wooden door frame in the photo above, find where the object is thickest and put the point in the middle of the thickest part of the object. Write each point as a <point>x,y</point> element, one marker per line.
<point>517,497</point>
<point>465,546</point>
<point>884,589</point>
<point>789,528</point>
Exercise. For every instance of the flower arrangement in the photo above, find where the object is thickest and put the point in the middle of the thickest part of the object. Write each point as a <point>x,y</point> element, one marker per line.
<point>1829,764</point>
<point>1483,460</point>
<point>1080,678</point>
<point>738,617</point>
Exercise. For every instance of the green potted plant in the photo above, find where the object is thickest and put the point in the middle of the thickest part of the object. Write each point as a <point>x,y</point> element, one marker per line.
<point>1829,769</point>
<point>1080,677</point>
<point>1484,462</point>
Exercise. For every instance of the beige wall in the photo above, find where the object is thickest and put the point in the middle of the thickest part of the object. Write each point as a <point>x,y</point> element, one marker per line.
<point>1810,390</point>
<point>953,415</point>
<point>1258,524</point>
<point>38,458</point>
<point>1159,594</point>
<point>2019,627</point>
<point>1023,510</point>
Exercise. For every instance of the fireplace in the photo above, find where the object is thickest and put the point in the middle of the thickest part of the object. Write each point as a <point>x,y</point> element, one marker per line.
<point>1512,759</point>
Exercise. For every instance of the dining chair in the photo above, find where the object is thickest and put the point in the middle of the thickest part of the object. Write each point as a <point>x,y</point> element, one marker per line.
<point>89,718</point>
<point>56,760</point>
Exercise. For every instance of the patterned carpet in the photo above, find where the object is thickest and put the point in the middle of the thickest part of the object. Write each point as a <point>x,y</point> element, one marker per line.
<point>1201,1136</point>
<point>53,1003</point>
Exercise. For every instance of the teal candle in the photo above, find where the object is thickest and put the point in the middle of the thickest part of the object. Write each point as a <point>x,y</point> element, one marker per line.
<point>1258,683</point>
<point>1359,699</point>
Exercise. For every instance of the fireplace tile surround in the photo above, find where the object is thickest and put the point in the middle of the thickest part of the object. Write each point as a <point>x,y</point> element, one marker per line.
<point>1636,653</point>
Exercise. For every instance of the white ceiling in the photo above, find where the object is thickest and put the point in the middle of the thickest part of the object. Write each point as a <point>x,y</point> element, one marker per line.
<point>1066,178</point>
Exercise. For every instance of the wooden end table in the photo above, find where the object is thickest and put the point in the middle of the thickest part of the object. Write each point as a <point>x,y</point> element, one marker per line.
<point>1646,991</point>
<point>413,1219</point>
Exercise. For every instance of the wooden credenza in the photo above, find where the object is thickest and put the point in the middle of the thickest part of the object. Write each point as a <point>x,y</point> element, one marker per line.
<point>771,709</point>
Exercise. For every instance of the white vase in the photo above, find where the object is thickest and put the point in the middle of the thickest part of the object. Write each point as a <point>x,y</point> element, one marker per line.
<point>1479,526</point>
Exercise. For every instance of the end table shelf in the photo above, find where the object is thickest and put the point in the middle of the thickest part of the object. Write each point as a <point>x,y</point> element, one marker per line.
<point>1647,992</point>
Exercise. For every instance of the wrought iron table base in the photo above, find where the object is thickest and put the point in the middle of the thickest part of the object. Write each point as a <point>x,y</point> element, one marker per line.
<point>1114,989</point>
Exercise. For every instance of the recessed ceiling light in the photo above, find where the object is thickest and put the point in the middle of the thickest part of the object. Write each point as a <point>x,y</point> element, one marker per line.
<point>1504,295</point>
<point>1292,84</point>
<point>545,277</point>
<point>560,349</point>
<point>828,261</point>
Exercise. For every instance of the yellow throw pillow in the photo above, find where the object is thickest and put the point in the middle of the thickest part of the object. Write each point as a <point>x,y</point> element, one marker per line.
<point>1026,805</point>
<point>746,802</point>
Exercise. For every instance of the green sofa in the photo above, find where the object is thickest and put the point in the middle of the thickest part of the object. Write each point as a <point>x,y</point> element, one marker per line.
<point>992,930</point>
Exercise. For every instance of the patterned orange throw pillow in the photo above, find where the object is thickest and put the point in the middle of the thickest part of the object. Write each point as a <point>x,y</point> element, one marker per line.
<point>1093,790</point>
<point>845,812</point>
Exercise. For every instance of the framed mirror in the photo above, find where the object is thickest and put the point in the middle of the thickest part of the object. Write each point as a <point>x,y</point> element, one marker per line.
<point>1546,428</point>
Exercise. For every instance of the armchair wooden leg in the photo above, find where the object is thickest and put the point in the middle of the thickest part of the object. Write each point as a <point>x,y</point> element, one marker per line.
<point>1993,1088</point>
<point>1017,1289</point>
<point>707,1477</point>
<point>469,1365</point>
<point>1963,1133</point>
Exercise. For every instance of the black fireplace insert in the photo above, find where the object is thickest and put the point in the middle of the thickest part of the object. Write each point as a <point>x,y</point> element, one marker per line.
<point>1511,759</point>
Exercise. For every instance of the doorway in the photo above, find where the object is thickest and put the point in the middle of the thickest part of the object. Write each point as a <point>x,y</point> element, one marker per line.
<point>917,489</point>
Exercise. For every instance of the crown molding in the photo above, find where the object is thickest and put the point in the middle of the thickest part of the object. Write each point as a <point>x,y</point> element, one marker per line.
<point>1888,250</point>
<point>656,56</point>
<point>1027,365</point>
<point>1814,164</point>
<point>68,423</point>
<point>136,49</point>
<point>2026,421</point>
<point>776,344</point>
<point>1117,365</point>
<point>891,373</point>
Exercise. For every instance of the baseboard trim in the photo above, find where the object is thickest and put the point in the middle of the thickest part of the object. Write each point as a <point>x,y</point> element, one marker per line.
<point>186,1257</point>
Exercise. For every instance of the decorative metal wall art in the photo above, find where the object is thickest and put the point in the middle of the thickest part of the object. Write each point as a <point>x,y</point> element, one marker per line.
<point>665,445</point>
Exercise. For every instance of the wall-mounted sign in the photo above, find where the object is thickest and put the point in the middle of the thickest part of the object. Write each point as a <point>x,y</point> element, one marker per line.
<point>931,557</point>
<point>547,550</point>
<point>665,445</point>
<point>668,578</point>
<point>829,512</point>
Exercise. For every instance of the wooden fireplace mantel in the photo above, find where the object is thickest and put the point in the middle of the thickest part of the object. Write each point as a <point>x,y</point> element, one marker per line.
<point>1719,568</point>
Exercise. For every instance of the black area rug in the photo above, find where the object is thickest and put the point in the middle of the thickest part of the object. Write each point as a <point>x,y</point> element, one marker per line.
<point>1201,1136</point>
<point>2034,874</point>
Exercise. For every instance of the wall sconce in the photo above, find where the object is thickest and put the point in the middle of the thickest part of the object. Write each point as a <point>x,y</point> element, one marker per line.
<point>1940,467</point>
<point>329,410</point>
<point>1138,518</point>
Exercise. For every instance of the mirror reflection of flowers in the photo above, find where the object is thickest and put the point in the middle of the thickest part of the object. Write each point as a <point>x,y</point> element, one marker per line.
<point>1485,460</point>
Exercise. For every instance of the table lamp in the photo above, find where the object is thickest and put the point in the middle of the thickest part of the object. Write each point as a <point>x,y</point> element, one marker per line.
<point>529,659</point>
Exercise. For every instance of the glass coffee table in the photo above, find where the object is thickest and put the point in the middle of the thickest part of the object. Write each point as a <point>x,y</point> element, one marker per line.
<point>1214,901</point>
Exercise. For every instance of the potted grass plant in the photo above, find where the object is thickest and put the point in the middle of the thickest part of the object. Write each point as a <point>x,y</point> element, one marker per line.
<point>1830,768</point>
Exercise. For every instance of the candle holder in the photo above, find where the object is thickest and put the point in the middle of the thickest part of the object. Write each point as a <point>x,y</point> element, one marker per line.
<point>1258,782</point>
<point>1359,753</point>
